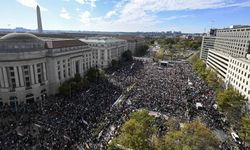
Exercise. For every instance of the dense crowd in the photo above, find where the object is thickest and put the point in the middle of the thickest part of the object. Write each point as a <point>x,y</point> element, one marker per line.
<point>174,91</point>
<point>89,119</point>
<point>58,122</point>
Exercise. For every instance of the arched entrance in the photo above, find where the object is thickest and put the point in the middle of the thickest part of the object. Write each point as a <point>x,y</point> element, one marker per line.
<point>30,98</point>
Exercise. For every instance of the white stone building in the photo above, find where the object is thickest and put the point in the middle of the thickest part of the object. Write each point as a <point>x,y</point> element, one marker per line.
<point>134,42</point>
<point>33,67</point>
<point>105,49</point>
<point>228,53</point>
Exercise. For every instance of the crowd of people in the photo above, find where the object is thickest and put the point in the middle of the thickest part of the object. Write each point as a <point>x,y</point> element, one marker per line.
<point>58,122</point>
<point>174,90</point>
<point>89,119</point>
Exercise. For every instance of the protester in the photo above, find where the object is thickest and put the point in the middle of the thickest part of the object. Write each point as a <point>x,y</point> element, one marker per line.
<point>89,119</point>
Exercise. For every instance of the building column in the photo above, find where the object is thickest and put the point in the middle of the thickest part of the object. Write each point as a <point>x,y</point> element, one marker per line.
<point>1,78</point>
<point>5,76</point>
<point>16,76</point>
<point>67,69</point>
<point>21,76</point>
<point>80,67</point>
<point>73,68</point>
<point>44,72</point>
<point>32,75</point>
<point>36,76</point>
<point>61,71</point>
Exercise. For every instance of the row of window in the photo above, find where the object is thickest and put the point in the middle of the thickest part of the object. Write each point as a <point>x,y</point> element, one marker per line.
<point>241,75</point>
<point>244,33</point>
<point>68,48</point>
<point>21,45</point>
<point>64,66</point>
<point>21,75</point>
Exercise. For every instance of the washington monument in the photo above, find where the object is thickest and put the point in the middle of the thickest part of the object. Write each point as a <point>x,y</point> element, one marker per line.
<point>39,19</point>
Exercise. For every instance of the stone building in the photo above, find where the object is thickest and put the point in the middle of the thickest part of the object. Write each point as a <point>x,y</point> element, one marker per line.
<point>32,67</point>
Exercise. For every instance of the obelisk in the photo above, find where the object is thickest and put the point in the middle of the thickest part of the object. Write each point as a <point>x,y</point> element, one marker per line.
<point>39,19</point>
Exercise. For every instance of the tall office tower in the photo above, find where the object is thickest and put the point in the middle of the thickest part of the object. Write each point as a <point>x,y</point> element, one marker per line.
<point>227,51</point>
<point>39,19</point>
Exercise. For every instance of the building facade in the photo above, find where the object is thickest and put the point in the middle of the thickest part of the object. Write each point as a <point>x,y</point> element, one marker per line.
<point>207,43</point>
<point>33,67</point>
<point>105,49</point>
<point>228,52</point>
<point>134,43</point>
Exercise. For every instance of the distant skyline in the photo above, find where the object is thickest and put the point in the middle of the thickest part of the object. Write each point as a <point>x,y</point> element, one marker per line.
<point>126,15</point>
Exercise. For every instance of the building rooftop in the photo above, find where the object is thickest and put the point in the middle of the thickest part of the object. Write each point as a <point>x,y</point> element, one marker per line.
<point>27,42</point>
<point>101,40</point>
<point>63,43</point>
<point>19,37</point>
<point>235,27</point>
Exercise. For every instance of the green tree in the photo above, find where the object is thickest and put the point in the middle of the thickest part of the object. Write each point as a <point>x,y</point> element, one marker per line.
<point>193,136</point>
<point>157,143</point>
<point>74,84</point>
<point>159,55</point>
<point>172,124</point>
<point>245,128</point>
<point>194,58</point>
<point>127,56</point>
<point>200,67</point>
<point>114,63</point>
<point>77,77</point>
<point>231,102</point>
<point>137,132</point>
<point>64,89</point>
<point>141,51</point>
<point>95,74</point>
<point>213,80</point>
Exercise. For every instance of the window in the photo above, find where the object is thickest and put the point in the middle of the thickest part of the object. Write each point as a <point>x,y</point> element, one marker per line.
<point>59,75</point>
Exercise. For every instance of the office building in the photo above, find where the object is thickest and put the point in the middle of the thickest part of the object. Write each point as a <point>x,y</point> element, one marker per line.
<point>228,52</point>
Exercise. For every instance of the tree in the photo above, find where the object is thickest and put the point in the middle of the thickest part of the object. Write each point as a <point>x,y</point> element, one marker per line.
<point>194,135</point>
<point>172,124</point>
<point>157,143</point>
<point>193,59</point>
<point>72,85</point>
<point>231,102</point>
<point>200,67</point>
<point>137,132</point>
<point>114,63</point>
<point>245,128</point>
<point>159,55</point>
<point>94,74</point>
<point>64,89</point>
<point>77,77</point>
<point>141,51</point>
<point>213,80</point>
<point>127,56</point>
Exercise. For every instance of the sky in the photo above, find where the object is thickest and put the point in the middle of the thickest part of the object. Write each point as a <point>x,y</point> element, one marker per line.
<point>126,15</point>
